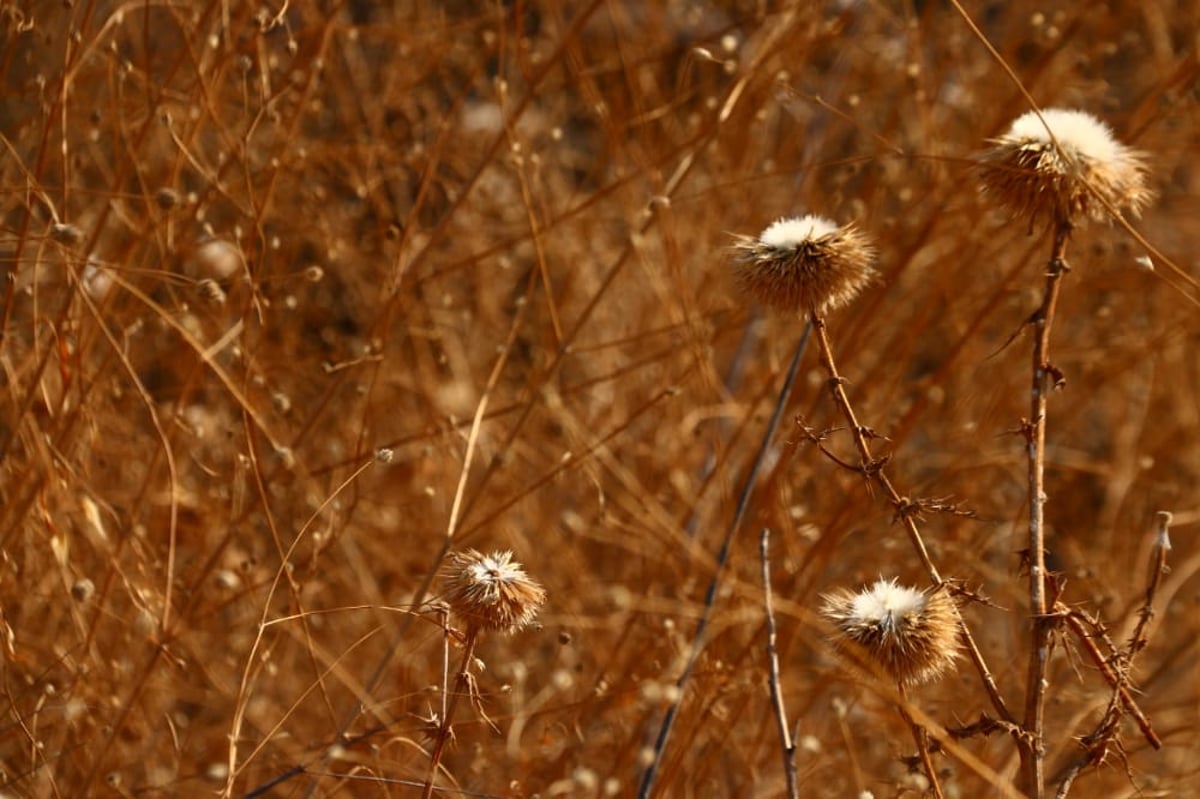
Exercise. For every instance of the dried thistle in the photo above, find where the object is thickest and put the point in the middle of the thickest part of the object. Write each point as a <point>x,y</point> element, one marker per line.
<point>804,265</point>
<point>490,591</point>
<point>912,634</point>
<point>1080,172</point>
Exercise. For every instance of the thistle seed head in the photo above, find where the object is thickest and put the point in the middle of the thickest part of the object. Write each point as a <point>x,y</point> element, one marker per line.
<point>490,591</point>
<point>912,634</point>
<point>804,265</point>
<point>1081,172</point>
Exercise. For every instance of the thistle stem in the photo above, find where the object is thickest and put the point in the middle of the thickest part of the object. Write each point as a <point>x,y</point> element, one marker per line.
<point>1033,752</point>
<point>873,470</point>
<point>921,738</point>
<point>462,685</point>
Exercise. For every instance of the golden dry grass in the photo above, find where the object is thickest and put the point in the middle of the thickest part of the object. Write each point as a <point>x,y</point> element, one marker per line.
<point>486,247</point>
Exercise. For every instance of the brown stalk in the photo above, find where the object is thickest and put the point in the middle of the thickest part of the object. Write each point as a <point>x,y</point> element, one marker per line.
<point>463,684</point>
<point>921,739</point>
<point>1045,378</point>
<point>1078,625</point>
<point>873,469</point>
<point>1104,739</point>
<point>1158,567</point>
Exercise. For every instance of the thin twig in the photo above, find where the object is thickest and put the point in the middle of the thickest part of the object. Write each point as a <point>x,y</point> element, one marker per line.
<point>1045,378</point>
<point>710,598</point>
<point>921,739</point>
<point>786,738</point>
<point>1077,624</point>
<point>1096,747</point>
<point>873,469</point>
<point>1158,567</point>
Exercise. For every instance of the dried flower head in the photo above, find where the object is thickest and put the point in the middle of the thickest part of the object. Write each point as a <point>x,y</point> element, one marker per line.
<point>1083,175</point>
<point>803,265</point>
<point>491,591</point>
<point>912,634</point>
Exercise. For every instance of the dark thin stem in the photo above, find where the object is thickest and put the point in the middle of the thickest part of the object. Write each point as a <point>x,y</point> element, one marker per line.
<point>710,598</point>
<point>872,468</point>
<point>787,739</point>
<point>1044,379</point>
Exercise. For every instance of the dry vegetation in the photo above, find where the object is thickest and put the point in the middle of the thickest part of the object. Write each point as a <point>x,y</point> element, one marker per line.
<point>294,292</point>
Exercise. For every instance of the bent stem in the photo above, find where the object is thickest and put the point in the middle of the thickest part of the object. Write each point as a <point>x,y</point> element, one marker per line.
<point>873,469</point>
<point>462,685</point>
<point>1045,378</point>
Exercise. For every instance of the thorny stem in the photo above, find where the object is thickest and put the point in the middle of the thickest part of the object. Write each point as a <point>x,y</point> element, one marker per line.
<point>1033,750</point>
<point>462,685</point>
<point>873,469</point>
<point>864,446</point>
<point>922,741</point>
<point>1117,682</point>
<point>786,739</point>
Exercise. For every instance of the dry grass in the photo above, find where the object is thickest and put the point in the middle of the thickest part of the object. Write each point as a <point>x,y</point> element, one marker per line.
<point>484,288</point>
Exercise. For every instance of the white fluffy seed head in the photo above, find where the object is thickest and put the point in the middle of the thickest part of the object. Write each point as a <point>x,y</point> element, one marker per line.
<point>1080,172</point>
<point>804,265</point>
<point>911,634</point>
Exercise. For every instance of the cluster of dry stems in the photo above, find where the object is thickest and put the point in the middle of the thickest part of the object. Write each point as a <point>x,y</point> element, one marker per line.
<point>287,286</point>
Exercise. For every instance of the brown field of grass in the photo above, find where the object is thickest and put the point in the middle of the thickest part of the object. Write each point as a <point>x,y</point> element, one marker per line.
<point>300,297</point>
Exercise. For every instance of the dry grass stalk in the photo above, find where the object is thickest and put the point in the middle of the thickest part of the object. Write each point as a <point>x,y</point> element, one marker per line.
<point>787,738</point>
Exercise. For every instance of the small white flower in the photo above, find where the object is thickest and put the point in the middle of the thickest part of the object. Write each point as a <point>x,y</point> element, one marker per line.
<point>96,279</point>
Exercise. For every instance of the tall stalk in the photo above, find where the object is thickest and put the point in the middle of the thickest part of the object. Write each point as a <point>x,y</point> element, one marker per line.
<point>1045,377</point>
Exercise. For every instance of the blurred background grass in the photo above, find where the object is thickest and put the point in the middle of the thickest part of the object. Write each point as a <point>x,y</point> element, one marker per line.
<point>248,247</point>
